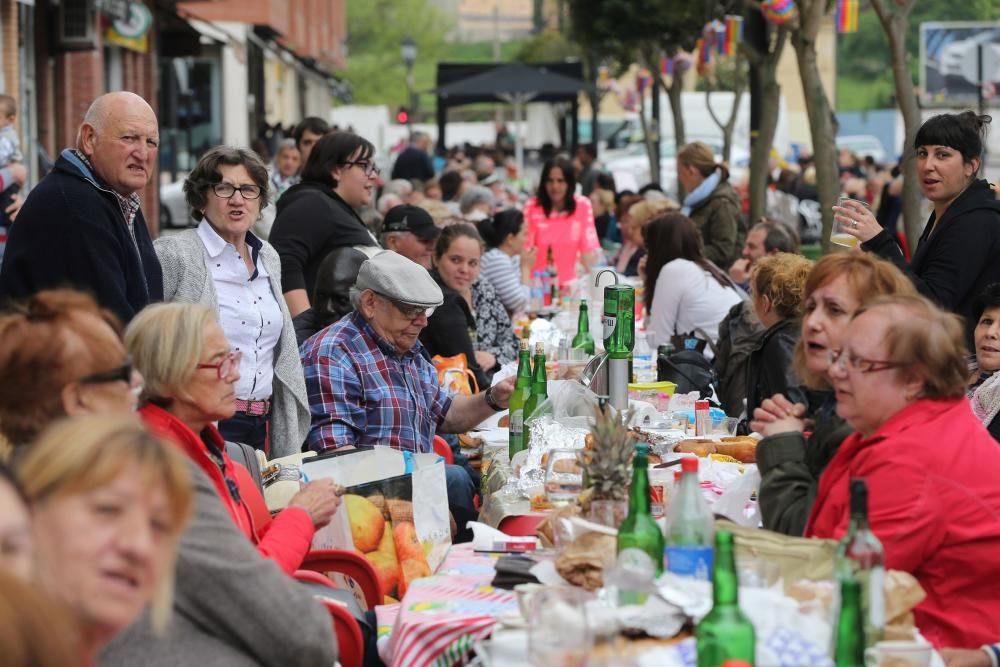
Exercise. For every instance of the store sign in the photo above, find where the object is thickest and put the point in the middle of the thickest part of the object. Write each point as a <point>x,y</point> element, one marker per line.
<point>133,32</point>
<point>116,10</point>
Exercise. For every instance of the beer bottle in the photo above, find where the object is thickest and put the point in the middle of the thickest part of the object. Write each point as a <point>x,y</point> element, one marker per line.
<point>539,390</point>
<point>849,641</point>
<point>639,530</point>
<point>522,387</point>
<point>583,340</point>
<point>860,557</point>
<point>725,633</point>
<point>690,527</point>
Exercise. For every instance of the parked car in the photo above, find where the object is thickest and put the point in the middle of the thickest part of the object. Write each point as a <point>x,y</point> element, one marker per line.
<point>864,145</point>
<point>636,163</point>
<point>173,207</point>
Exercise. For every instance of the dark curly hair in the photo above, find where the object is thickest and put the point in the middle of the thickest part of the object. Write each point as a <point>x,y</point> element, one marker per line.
<point>206,174</point>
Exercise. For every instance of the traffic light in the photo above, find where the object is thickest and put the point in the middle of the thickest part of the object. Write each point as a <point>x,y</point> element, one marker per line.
<point>403,116</point>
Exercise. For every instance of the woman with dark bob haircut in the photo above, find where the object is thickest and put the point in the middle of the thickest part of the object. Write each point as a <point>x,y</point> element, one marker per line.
<point>507,263</point>
<point>958,254</point>
<point>321,213</point>
<point>224,266</point>
<point>561,221</point>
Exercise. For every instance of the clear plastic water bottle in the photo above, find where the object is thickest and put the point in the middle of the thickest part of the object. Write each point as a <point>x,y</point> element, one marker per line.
<point>642,359</point>
<point>537,292</point>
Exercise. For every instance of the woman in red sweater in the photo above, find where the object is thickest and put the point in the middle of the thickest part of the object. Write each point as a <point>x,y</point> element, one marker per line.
<point>189,372</point>
<point>931,466</point>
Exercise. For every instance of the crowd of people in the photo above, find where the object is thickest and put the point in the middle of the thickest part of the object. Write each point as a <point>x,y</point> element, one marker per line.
<point>130,366</point>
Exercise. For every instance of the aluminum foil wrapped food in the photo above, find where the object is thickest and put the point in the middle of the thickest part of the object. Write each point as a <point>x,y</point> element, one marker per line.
<point>546,434</point>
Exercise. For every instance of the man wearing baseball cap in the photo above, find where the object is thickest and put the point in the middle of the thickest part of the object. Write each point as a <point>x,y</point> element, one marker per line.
<point>369,383</point>
<point>410,231</point>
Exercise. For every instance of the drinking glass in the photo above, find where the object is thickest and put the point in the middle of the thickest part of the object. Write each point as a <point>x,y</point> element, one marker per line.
<point>839,234</point>
<point>558,634</point>
<point>563,477</point>
<point>725,426</point>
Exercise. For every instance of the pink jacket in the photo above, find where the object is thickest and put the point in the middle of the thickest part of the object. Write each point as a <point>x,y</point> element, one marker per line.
<point>933,475</point>
<point>568,235</point>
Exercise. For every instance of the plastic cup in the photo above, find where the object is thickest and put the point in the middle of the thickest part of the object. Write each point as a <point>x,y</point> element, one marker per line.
<point>839,234</point>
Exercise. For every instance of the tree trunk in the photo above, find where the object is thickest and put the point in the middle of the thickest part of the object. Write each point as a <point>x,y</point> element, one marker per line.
<point>769,91</point>
<point>730,124</point>
<point>648,139</point>
<point>895,25</point>
<point>676,110</point>
<point>822,123</point>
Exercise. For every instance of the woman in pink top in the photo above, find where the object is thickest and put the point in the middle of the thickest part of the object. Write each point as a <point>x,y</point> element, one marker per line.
<point>559,219</point>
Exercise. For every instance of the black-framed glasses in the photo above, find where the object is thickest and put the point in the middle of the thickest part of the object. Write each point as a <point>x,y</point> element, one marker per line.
<point>852,363</point>
<point>368,167</point>
<point>408,311</point>
<point>227,190</point>
<point>121,374</point>
<point>226,365</point>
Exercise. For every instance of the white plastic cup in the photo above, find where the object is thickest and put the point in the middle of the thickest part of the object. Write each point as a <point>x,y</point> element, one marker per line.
<point>839,234</point>
<point>917,654</point>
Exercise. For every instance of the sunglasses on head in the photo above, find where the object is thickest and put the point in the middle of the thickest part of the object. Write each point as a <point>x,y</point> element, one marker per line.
<point>123,373</point>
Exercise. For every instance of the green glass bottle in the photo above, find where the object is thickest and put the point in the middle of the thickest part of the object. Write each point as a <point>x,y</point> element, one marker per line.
<point>639,530</point>
<point>849,641</point>
<point>522,387</point>
<point>860,557</point>
<point>539,390</point>
<point>583,340</point>
<point>725,633</point>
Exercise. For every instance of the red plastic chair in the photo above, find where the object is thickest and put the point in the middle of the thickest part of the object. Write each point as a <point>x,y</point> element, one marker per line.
<point>520,525</point>
<point>442,448</point>
<point>350,643</point>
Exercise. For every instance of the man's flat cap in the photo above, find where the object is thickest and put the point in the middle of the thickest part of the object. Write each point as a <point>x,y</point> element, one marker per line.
<point>400,279</point>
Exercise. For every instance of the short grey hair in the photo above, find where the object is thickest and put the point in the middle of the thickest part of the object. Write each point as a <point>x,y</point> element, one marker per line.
<point>398,186</point>
<point>354,296</point>
<point>387,201</point>
<point>477,194</point>
<point>385,236</point>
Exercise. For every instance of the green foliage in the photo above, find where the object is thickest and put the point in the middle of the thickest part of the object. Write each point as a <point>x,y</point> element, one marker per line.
<point>547,46</point>
<point>616,28</point>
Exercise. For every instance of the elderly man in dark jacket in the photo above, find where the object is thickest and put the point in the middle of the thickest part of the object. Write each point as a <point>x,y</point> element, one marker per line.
<point>82,226</point>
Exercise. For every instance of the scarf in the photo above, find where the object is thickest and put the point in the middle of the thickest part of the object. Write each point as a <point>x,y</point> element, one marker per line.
<point>700,193</point>
<point>986,400</point>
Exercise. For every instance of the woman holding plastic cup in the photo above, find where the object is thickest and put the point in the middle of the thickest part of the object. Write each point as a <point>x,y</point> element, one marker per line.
<point>958,253</point>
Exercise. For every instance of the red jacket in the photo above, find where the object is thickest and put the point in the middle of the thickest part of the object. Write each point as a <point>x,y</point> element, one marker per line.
<point>933,475</point>
<point>285,540</point>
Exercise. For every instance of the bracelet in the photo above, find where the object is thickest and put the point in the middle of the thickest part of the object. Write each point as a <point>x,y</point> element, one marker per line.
<point>488,395</point>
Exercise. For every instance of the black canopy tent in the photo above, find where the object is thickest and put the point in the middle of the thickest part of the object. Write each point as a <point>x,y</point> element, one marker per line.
<point>513,83</point>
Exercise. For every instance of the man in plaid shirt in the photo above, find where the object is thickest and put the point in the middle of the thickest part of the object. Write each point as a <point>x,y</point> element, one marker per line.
<point>369,383</point>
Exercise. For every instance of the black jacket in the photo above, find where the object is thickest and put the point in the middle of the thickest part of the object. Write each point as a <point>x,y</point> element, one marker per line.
<point>451,329</point>
<point>71,232</point>
<point>956,258</point>
<point>413,163</point>
<point>313,220</point>
<point>769,371</point>
<point>739,335</point>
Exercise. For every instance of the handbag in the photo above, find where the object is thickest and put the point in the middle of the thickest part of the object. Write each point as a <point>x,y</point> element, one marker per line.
<point>455,375</point>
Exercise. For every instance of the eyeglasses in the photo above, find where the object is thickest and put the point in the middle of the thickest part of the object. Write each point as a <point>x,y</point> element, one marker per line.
<point>123,373</point>
<point>855,364</point>
<point>368,167</point>
<point>227,190</point>
<point>226,365</point>
<point>408,311</point>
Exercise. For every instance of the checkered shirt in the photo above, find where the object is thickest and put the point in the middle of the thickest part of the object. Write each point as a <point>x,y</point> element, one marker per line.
<point>129,205</point>
<point>362,392</point>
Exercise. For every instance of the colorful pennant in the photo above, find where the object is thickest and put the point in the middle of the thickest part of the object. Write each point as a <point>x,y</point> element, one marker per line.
<point>779,11</point>
<point>847,16</point>
<point>733,34</point>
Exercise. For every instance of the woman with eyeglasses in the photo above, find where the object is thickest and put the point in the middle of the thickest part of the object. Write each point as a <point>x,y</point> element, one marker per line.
<point>224,266</point>
<point>790,462</point>
<point>900,379</point>
<point>321,213</point>
<point>191,373</point>
<point>62,355</point>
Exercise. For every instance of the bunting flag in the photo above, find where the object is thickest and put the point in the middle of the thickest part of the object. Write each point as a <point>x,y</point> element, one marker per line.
<point>643,80</point>
<point>847,16</point>
<point>704,50</point>
<point>778,11</point>
<point>734,34</point>
<point>666,66</point>
<point>720,36</point>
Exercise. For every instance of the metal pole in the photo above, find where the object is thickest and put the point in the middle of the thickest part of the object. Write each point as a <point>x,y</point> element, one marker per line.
<point>980,93</point>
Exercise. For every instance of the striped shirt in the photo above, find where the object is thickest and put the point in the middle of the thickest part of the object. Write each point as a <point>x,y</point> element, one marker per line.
<point>504,273</point>
<point>362,392</point>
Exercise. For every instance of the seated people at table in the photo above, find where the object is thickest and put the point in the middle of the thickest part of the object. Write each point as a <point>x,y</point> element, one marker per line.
<point>331,297</point>
<point>790,464</point>
<point>61,355</point>
<point>190,372</point>
<point>561,221</point>
<point>507,262</point>
<point>767,237</point>
<point>711,202</point>
<point>958,253</point>
<point>369,383</point>
<point>684,291</point>
<point>934,502</point>
<point>776,286</point>
<point>984,389</point>
<point>109,503</point>
<point>410,231</point>
<point>222,265</point>
<point>633,247</point>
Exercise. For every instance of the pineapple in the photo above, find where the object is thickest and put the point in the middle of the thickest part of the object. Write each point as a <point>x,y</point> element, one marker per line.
<point>607,455</point>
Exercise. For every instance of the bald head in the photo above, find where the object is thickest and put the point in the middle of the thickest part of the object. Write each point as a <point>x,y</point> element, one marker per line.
<point>120,136</point>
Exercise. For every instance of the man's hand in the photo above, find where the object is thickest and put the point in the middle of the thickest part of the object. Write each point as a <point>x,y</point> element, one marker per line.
<point>486,360</point>
<point>962,657</point>
<point>502,391</point>
<point>319,499</point>
<point>740,271</point>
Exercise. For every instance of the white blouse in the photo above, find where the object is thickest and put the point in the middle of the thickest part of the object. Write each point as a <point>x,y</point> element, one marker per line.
<point>248,311</point>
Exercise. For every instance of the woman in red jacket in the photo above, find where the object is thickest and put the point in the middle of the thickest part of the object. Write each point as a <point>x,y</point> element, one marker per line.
<point>189,372</point>
<point>931,466</point>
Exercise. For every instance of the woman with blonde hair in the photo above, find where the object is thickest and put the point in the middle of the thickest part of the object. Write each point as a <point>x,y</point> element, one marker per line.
<point>27,618</point>
<point>711,202</point>
<point>109,502</point>
<point>777,285</point>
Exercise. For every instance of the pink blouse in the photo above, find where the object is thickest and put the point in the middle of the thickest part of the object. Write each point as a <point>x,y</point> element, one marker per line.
<point>568,234</point>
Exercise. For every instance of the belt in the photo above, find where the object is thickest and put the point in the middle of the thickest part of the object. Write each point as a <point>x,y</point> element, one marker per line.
<point>253,408</point>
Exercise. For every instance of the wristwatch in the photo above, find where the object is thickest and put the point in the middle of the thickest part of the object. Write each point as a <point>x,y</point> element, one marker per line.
<point>488,395</point>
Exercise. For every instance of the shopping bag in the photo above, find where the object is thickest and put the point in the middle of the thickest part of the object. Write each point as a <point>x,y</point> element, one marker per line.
<point>455,375</point>
<point>394,512</point>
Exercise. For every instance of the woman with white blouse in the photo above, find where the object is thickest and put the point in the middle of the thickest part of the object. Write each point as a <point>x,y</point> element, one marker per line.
<point>506,264</point>
<point>223,265</point>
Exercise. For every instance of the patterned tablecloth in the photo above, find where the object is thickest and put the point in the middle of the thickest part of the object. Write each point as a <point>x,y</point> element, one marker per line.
<point>441,615</point>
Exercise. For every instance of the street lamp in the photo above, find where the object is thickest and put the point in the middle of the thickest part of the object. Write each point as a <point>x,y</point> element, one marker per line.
<point>408,50</point>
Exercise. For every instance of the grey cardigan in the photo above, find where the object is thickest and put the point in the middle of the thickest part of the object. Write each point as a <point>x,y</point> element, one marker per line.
<point>232,606</point>
<point>186,279</point>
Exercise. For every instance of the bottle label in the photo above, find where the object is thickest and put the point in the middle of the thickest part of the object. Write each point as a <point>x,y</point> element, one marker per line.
<point>517,421</point>
<point>690,561</point>
<point>609,323</point>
